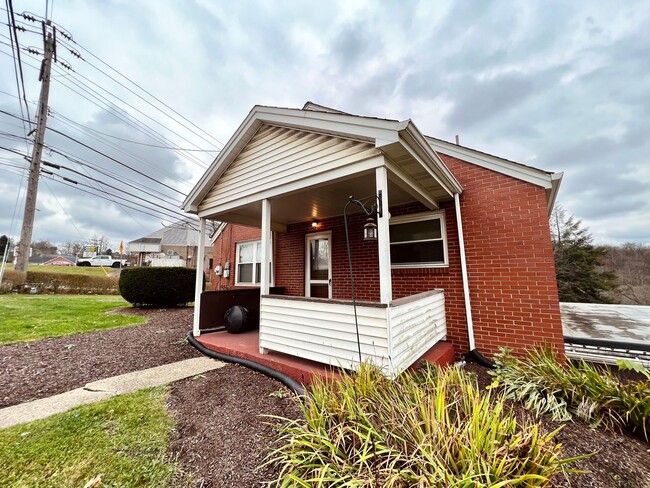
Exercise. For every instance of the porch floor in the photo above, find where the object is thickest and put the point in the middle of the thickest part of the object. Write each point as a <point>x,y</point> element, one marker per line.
<point>246,346</point>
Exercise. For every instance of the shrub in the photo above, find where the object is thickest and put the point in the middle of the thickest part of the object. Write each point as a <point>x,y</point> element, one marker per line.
<point>434,429</point>
<point>590,392</point>
<point>60,283</point>
<point>160,287</point>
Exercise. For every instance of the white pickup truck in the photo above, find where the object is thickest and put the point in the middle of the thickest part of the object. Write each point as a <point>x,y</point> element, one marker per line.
<point>105,261</point>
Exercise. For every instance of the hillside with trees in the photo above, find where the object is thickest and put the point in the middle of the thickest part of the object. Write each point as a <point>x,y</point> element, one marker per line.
<point>590,273</point>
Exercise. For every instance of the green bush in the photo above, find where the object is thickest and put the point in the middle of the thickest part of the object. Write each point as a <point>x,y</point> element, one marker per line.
<point>593,393</point>
<point>60,283</point>
<point>160,287</point>
<point>431,429</point>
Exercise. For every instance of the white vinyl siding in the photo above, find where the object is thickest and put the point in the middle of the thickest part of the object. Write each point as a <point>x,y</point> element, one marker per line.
<point>418,240</point>
<point>416,326</point>
<point>277,156</point>
<point>323,331</point>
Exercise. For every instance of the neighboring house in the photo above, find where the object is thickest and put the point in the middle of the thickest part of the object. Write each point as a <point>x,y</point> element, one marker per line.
<point>53,260</point>
<point>485,284</point>
<point>60,261</point>
<point>171,245</point>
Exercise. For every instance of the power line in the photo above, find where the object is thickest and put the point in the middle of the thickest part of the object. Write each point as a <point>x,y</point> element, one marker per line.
<point>106,198</point>
<point>133,184</point>
<point>59,166</point>
<point>115,160</point>
<point>33,17</point>
<point>139,188</point>
<point>136,142</point>
<point>145,91</point>
<point>119,149</point>
<point>104,155</point>
<point>16,49</point>
<point>130,120</point>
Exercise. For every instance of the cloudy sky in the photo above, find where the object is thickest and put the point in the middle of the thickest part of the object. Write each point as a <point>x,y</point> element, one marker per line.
<point>563,86</point>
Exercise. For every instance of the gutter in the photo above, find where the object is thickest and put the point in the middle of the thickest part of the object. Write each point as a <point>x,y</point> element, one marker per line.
<point>473,353</point>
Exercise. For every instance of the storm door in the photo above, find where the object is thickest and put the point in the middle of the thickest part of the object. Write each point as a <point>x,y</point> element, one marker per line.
<point>318,266</point>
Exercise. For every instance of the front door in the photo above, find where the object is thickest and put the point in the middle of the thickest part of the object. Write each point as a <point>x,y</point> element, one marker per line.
<point>318,268</point>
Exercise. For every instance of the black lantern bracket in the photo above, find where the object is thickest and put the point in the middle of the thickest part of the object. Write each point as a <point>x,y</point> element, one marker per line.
<point>375,208</point>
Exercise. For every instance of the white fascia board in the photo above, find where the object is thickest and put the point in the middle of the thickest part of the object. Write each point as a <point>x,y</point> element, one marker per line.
<point>419,143</point>
<point>377,131</point>
<point>525,173</point>
<point>556,180</point>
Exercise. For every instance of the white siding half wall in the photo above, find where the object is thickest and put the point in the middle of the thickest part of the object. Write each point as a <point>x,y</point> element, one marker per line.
<point>392,337</point>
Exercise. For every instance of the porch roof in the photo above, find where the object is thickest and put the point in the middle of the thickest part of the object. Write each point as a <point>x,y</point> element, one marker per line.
<point>406,153</point>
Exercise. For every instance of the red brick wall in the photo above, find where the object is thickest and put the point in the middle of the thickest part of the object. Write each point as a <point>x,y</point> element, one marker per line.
<point>510,262</point>
<point>509,258</point>
<point>290,262</point>
<point>225,249</point>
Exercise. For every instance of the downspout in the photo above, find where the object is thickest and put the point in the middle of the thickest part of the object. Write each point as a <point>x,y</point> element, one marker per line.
<point>473,353</point>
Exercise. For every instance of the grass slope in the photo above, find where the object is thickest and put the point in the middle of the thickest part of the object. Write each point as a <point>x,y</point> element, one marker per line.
<point>75,270</point>
<point>31,317</point>
<point>123,439</point>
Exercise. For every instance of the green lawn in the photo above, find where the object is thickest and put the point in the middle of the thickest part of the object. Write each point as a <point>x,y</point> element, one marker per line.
<point>123,439</point>
<point>31,317</point>
<point>77,270</point>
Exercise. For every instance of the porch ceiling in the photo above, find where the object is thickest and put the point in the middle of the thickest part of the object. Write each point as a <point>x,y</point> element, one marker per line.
<point>318,202</point>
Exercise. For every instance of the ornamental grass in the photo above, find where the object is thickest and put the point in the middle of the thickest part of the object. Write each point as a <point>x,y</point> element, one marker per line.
<point>576,388</point>
<point>434,429</point>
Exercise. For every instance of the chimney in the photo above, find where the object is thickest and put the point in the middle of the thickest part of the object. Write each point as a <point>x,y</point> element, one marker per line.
<point>457,140</point>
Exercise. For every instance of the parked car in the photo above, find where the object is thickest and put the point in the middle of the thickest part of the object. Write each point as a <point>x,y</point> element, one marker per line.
<point>103,260</point>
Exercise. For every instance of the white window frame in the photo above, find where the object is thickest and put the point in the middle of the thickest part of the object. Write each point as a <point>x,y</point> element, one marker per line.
<point>419,217</point>
<point>255,242</point>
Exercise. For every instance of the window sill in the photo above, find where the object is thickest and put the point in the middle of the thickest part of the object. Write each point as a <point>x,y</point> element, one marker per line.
<point>418,266</point>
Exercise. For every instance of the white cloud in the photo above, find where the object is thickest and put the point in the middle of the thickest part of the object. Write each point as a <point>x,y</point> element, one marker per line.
<point>562,86</point>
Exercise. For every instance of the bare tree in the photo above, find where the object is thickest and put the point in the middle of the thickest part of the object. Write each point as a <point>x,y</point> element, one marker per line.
<point>100,242</point>
<point>71,248</point>
<point>631,263</point>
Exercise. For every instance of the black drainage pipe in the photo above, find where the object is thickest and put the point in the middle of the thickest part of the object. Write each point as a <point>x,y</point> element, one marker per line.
<point>271,373</point>
<point>477,357</point>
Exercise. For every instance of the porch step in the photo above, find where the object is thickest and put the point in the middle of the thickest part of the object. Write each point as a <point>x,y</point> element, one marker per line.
<point>442,354</point>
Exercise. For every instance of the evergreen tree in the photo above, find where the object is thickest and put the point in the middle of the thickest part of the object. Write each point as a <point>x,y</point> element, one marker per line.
<point>3,244</point>
<point>578,262</point>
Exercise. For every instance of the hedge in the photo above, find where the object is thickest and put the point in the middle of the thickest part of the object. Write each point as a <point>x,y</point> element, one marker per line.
<point>160,287</point>
<point>60,283</point>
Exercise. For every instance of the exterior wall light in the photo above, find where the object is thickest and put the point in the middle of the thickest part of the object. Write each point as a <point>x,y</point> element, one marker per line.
<point>315,224</point>
<point>370,232</point>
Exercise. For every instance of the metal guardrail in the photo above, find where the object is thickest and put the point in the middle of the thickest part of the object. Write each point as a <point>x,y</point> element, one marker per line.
<point>595,350</point>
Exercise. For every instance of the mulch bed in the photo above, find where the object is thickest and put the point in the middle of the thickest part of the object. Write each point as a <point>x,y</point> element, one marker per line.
<point>39,369</point>
<point>221,434</point>
<point>620,459</point>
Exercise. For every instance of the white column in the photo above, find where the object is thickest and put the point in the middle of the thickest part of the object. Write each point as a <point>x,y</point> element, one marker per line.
<point>199,277</point>
<point>266,257</point>
<point>383,238</point>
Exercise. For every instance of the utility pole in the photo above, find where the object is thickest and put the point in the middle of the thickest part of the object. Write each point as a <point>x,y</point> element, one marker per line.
<point>35,167</point>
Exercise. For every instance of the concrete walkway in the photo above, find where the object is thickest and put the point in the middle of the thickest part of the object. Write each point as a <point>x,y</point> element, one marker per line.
<point>106,388</point>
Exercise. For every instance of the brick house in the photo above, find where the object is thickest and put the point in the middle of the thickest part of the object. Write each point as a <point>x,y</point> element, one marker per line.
<point>280,186</point>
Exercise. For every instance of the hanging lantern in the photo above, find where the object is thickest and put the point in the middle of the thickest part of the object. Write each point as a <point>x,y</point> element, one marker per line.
<point>370,230</point>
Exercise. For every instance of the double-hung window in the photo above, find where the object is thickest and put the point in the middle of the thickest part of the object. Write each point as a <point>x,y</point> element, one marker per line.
<point>249,263</point>
<point>418,241</point>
